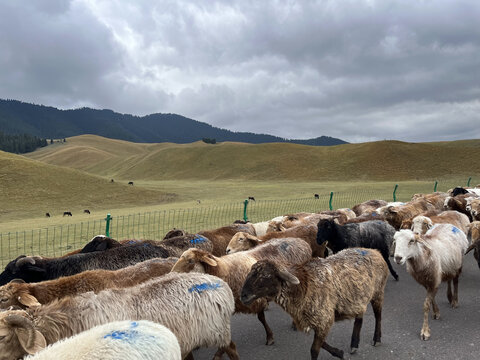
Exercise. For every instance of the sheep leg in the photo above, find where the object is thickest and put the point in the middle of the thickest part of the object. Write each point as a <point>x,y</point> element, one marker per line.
<point>425,333</point>
<point>261,317</point>
<point>454,302</point>
<point>189,356</point>
<point>377,311</point>
<point>357,326</point>
<point>319,342</point>
<point>231,351</point>
<point>390,267</point>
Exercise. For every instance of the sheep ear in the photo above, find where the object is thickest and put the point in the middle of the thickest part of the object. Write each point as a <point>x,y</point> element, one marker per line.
<point>30,347</point>
<point>417,237</point>
<point>28,300</point>
<point>288,277</point>
<point>252,238</point>
<point>208,259</point>
<point>470,248</point>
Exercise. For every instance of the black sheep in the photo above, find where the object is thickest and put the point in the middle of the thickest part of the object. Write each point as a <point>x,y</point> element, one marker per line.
<point>369,234</point>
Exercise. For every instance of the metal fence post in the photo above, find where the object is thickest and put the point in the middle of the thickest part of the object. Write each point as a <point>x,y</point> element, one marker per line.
<point>394,193</point>
<point>435,187</point>
<point>245,204</point>
<point>107,229</point>
<point>330,201</point>
<point>468,182</point>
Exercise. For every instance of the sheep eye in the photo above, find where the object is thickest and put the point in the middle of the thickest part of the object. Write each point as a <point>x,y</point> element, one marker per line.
<point>4,300</point>
<point>190,261</point>
<point>411,242</point>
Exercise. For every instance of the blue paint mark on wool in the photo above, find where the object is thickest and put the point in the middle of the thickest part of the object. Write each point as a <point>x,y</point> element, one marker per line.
<point>455,229</point>
<point>374,213</point>
<point>204,287</point>
<point>133,325</point>
<point>362,252</point>
<point>198,240</point>
<point>131,242</point>
<point>125,335</point>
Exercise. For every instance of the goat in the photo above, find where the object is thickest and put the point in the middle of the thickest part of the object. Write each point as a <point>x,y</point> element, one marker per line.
<point>125,339</point>
<point>432,258</point>
<point>370,234</point>
<point>474,237</point>
<point>21,294</point>
<point>200,319</point>
<point>234,269</point>
<point>321,291</point>
<point>242,241</point>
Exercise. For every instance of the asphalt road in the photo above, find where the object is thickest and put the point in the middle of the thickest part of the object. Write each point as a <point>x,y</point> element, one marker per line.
<point>456,335</point>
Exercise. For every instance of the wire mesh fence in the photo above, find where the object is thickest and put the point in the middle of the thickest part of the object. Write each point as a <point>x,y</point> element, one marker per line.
<point>59,240</point>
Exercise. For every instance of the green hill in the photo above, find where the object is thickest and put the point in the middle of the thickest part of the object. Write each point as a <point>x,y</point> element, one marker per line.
<point>374,161</point>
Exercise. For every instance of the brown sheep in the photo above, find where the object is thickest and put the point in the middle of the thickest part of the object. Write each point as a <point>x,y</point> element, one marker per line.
<point>368,206</point>
<point>437,199</point>
<point>22,294</point>
<point>474,237</point>
<point>395,215</point>
<point>473,206</point>
<point>459,203</point>
<point>306,233</point>
<point>234,269</point>
<point>321,291</point>
<point>221,237</point>
<point>422,223</point>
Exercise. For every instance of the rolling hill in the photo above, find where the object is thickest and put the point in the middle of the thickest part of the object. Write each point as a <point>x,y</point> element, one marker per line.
<point>17,117</point>
<point>374,161</point>
<point>27,186</point>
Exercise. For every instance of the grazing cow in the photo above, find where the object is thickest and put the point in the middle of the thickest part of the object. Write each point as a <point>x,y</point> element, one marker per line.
<point>86,211</point>
<point>251,198</point>
<point>67,213</point>
<point>316,196</point>
<point>130,183</point>
<point>47,214</point>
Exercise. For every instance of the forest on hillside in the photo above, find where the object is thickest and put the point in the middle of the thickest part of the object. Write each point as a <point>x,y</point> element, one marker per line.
<point>20,144</point>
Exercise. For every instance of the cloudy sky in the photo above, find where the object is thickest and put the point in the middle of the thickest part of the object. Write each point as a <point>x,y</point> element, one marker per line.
<point>360,70</point>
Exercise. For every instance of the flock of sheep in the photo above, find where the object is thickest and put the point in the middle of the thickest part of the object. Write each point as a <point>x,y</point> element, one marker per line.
<point>147,299</point>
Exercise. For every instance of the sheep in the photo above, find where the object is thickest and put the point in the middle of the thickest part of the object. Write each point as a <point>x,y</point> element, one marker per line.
<point>459,203</point>
<point>174,233</point>
<point>432,258</point>
<point>220,237</point>
<point>200,319</point>
<point>368,206</point>
<point>473,207</point>
<point>21,294</point>
<point>371,234</point>
<point>321,291</point>
<point>396,214</point>
<point>35,269</point>
<point>292,220</point>
<point>118,340</point>
<point>234,268</point>
<point>242,241</point>
<point>437,199</point>
<point>421,224</point>
<point>474,237</point>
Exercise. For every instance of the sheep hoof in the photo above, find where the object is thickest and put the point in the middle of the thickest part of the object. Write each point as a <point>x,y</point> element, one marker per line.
<point>270,342</point>
<point>353,350</point>
<point>376,343</point>
<point>425,335</point>
<point>436,316</point>
<point>454,304</point>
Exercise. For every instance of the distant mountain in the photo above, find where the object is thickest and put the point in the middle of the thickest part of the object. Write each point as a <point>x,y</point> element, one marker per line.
<point>17,117</point>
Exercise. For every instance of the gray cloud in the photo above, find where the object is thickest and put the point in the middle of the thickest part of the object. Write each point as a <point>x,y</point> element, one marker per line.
<point>357,70</point>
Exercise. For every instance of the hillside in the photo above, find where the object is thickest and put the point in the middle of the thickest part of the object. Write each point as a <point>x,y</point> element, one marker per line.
<point>17,117</point>
<point>27,186</point>
<point>375,161</point>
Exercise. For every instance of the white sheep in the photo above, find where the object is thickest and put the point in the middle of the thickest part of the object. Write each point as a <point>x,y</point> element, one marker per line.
<point>432,258</point>
<point>119,340</point>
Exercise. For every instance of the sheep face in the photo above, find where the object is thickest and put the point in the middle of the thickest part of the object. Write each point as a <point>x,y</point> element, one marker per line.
<point>240,242</point>
<point>18,336</point>
<point>421,224</point>
<point>23,267</point>
<point>406,246</point>
<point>473,206</point>
<point>16,293</point>
<point>326,229</point>
<point>474,236</point>
<point>193,260</point>
<point>265,281</point>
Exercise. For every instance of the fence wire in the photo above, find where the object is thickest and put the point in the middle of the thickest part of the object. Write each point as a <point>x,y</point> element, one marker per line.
<point>59,240</point>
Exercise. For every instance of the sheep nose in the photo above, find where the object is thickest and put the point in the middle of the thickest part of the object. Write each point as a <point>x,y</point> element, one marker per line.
<point>228,251</point>
<point>398,259</point>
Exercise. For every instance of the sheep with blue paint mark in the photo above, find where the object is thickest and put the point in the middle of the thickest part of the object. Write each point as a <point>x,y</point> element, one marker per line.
<point>197,308</point>
<point>119,340</point>
<point>432,258</point>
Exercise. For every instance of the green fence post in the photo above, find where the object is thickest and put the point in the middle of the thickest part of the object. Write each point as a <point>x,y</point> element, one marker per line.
<point>394,193</point>
<point>245,204</point>
<point>330,201</point>
<point>469,179</point>
<point>107,229</point>
<point>435,187</point>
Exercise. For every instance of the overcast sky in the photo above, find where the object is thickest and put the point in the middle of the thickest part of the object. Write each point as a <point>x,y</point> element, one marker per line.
<point>358,70</point>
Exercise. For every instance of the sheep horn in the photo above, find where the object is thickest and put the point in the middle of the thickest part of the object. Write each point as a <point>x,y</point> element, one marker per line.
<point>18,321</point>
<point>17,281</point>
<point>470,248</point>
<point>25,260</point>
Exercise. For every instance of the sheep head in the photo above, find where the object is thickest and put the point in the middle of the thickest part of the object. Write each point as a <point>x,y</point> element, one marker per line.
<point>194,260</point>
<point>18,335</point>
<point>16,293</point>
<point>406,245</point>
<point>242,241</point>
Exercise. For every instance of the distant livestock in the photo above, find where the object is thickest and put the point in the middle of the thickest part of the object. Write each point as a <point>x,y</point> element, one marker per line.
<point>130,183</point>
<point>251,198</point>
<point>67,213</point>
<point>47,214</point>
<point>86,211</point>
<point>316,196</point>
<point>112,181</point>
